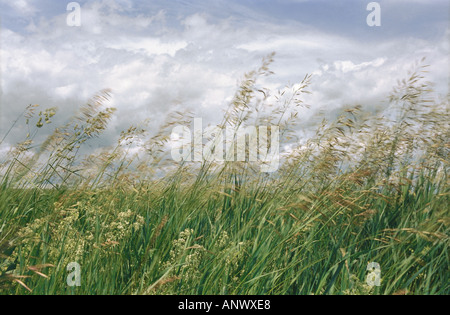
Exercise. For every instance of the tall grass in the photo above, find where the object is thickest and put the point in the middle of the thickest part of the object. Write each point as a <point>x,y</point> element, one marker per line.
<point>365,188</point>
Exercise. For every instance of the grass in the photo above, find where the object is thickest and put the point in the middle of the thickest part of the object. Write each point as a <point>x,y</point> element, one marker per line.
<point>365,188</point>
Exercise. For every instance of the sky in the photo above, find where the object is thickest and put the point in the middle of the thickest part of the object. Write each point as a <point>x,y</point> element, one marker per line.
<point>163,55</point>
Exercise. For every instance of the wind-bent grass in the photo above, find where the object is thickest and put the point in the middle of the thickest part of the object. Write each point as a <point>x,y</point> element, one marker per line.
<point>363,189</point>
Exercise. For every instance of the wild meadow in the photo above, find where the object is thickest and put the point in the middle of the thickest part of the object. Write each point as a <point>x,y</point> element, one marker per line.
<point>365,186</point>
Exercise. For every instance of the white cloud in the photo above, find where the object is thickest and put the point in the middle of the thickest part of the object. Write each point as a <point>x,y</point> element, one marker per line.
<point>348,65</point>
<point>154,67</point>
<point>23,7</point>
<point>151,46</point>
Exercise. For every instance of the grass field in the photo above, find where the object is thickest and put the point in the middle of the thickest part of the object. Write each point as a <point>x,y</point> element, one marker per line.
<point>367,187</point>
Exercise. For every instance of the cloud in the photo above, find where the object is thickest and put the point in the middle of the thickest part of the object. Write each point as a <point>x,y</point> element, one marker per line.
<point>22,7</point>
<point>348,65</point>
<point>162,58</point>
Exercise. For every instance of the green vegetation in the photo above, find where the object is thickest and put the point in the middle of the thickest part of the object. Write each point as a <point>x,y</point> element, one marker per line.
<point>365,188</point>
